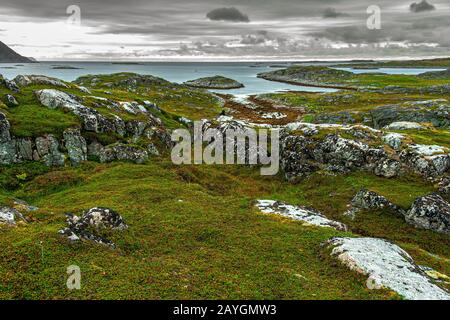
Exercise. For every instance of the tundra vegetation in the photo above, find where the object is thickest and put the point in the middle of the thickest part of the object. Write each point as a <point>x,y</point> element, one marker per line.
<point>224,231</point>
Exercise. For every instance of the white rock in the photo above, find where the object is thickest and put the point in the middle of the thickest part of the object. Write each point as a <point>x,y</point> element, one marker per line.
<point>273,115</point>
<point>393,140</point>
<point>404,125</point>
<point>427,150</point>
<point>307,215</point>
<point>386,265</point>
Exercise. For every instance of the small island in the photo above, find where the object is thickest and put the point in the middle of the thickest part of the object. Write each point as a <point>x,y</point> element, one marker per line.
<point>216,82</point>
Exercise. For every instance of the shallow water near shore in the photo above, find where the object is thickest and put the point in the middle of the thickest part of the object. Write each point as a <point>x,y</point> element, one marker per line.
<point>244,72</point>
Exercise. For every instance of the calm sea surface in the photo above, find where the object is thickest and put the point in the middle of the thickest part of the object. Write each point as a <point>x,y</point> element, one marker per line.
<point>244,72</point>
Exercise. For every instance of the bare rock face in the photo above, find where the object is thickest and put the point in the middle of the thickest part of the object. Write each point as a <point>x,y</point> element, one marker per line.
<point>91,224</point>
<point>394,140</point>
<point>10,215</point>
<point>123,152</point>
<point>76,146</point>
<point>386,265</point>
<point>430,212</point>
<point>4,128</point>
<point>300,213</point>
<point>47,150</point>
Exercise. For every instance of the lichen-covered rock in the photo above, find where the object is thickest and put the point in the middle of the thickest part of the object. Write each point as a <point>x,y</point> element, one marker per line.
<point>424,161</point>
<point>91,224</point>
<point>369,200</point>
<point>9,215</point>
<point>123,152</point>
<point>47,150</point>
<point>409,114</point>
<point>94,149</point>
<point>404,125</point>
<point>4,128</point>
<point>9,84</point>
<point>152,150</point>
<point>92,119</point>
<point>444,186</point>
<point>394,140</point>
<point>387,168</point>
<point>75,145</point>
<point>296,159</point>
<point>430,212</point>
<point>386,265</point>
<point>300,213</point>
<point>11,101</point>
<point>27,80</point>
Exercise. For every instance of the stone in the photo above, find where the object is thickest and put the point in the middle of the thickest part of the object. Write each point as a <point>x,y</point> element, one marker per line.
<point>91,225</point>
<point>47,149</point>
<point>76,146</point>
<point>307,215</point>
<point>4,128</point>
<point>94,149</point>
<point>430,212</point>
<point>27,80</point>
<point>9,215</point>
<point>369,200</point>
<point>386,266</point>
<point>404,125</point>
<point>394,140</point>
<point>11,101</point>
<point>123,152</point>
<point>418,159</point>
<point>152,150</point>
<point>387,168</point>
<point>444,186</point>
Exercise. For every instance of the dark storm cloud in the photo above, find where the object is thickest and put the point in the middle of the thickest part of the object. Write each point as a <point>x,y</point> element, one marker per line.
<point>227,14</point>
<point>333,13</point>
<point>421,6</point>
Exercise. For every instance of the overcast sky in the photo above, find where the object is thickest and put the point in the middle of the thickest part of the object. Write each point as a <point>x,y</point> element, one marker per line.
<point>225,29</point>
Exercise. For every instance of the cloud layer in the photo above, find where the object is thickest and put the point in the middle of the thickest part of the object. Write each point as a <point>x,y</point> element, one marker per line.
<point>224,29</point>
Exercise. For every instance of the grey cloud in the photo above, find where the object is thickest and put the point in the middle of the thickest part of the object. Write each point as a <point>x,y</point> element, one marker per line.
<point>333,13</point>
<point>421,6</point>
<point>227,14</point>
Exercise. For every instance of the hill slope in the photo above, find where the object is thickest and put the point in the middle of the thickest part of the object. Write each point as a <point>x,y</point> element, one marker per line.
<point>8,55</point>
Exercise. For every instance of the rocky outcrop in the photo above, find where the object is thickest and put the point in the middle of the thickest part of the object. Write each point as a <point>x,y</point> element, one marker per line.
<point>300,155</point>
<point>91,225</point>
<point>426,160</point>
<point>47,150</point>
<point>92,119</point>
<point>369,200</point>
<point>128,81</point>
<point>386,266</point>
<point>307,215</point>
<point>123,152</point>
<point>430,212</point>
<point>27,80</point>
<point>4,128</point>
<point>435,112</point>
<point>216,82</point>
<point>76,146</point>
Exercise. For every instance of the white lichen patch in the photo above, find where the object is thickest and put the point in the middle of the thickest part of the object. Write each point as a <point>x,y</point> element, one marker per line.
<point>386,265</point>
<point>307,215</point>
<point>273,115</point>
<point>427,150</point>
